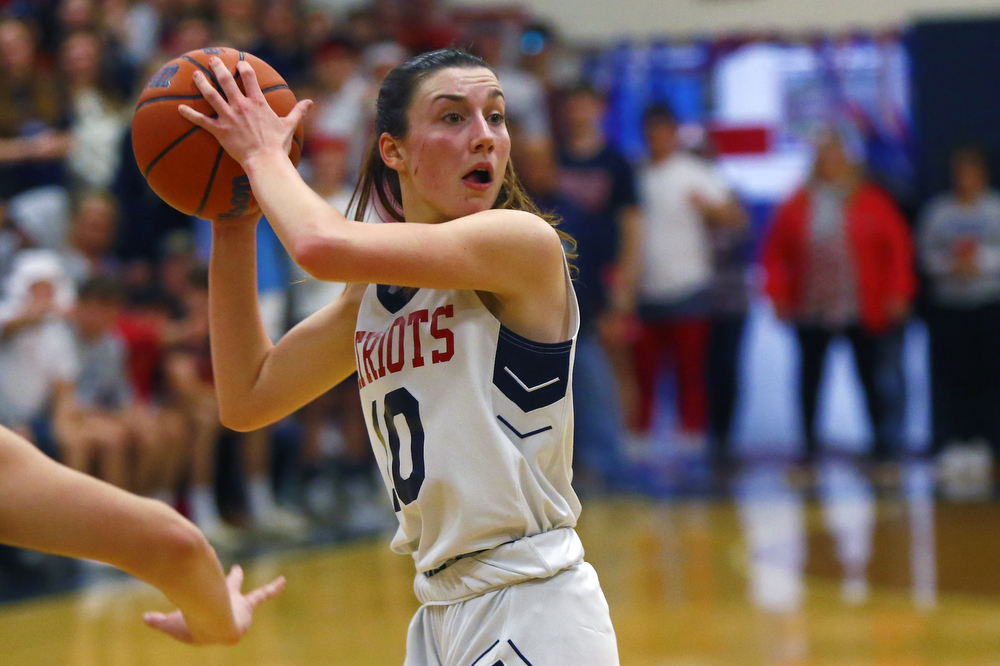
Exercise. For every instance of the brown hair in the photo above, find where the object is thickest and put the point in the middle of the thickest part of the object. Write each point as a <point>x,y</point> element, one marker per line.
<point>393,103</point>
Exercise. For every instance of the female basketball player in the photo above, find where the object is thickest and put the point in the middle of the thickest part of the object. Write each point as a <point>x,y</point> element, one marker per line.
<point>51,508</point>
<point>464,365</point>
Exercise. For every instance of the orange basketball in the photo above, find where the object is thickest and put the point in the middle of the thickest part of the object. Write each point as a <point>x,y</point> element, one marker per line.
<point>183,163</point>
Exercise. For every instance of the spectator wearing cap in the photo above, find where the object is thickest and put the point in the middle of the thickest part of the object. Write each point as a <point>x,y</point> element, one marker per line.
<point>38,362</point>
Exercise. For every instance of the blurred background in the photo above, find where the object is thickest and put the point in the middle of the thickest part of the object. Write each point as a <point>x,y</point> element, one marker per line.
<point>788,374</point>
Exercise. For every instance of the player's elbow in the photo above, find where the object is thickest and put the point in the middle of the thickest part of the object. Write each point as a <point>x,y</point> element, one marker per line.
<point>182,544</point>
<point>171,551</point>
<point>239,420</point>
<point>315,252</point>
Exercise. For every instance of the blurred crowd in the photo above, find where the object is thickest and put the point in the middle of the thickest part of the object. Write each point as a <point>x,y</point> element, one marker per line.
<point>104,357</point>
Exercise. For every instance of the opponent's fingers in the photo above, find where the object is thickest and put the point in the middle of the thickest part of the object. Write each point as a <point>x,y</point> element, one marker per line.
<point>295,116</point>
<point>266,592</point>
<point>250,84</point>
<point>225,78</point>
<point>196,117</point>
<point>171,624</point>
<point>234,581</point>
<point>209,92</point>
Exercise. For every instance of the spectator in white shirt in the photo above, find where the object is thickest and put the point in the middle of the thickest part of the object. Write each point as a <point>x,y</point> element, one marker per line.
<point>681,195</point>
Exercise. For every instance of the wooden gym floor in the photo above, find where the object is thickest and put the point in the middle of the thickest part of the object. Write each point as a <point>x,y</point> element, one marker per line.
<point>785,569</point>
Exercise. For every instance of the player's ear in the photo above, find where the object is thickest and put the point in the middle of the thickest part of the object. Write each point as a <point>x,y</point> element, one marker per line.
<point>392,153</point>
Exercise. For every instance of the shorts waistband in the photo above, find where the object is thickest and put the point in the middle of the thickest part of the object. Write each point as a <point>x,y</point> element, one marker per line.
<point>473,574</point>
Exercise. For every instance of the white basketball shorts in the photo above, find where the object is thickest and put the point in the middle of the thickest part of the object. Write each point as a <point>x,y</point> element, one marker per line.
<point>557,621</point>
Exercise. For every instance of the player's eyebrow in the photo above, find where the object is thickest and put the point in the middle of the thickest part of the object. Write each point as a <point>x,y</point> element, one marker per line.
<point>459,97</point>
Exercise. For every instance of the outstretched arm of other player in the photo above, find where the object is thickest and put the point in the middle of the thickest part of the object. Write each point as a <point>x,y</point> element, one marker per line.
<point>48,507</point>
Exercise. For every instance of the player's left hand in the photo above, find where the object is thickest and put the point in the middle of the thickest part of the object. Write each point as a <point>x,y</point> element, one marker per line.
<point>175,625</point>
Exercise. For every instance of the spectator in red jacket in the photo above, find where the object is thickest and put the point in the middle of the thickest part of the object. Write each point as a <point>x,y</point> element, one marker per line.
<point>839,261</point>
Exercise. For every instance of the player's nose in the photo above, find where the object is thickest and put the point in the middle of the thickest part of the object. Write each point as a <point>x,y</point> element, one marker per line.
<point>482,137</point>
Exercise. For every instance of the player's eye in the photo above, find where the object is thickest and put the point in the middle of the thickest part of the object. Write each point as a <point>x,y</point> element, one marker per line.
<point>452,118</point>
<point>496,118</point>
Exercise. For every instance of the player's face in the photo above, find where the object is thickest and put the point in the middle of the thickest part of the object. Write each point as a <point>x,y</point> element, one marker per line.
<point>455,153</point>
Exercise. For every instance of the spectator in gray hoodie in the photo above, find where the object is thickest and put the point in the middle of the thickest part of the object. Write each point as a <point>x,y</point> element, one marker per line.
<point>959,246</point>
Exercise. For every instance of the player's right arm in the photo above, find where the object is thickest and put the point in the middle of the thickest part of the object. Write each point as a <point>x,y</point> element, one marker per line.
<point>48,507</point>
<point>257,382</point>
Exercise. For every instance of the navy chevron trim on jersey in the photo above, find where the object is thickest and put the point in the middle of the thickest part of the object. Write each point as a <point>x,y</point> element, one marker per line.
<point>394,299</point>
<point>485,653</point>
<point>531,374</point>
<point>518,652</point>
<point>525,435</point>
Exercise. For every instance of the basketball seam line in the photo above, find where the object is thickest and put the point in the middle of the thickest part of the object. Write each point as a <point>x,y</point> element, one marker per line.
<point>166,98</point>
<point>211,181</point>
<point>173,144</point>
<point>207,72</point>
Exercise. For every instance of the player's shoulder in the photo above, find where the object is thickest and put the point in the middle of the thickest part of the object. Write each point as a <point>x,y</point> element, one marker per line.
<point>516,222</point>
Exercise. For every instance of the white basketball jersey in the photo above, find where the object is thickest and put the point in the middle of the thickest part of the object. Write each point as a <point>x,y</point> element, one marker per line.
<point>472,424</point>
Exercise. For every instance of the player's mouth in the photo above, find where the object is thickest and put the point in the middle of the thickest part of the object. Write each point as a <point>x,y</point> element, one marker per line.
<point>480,178</point>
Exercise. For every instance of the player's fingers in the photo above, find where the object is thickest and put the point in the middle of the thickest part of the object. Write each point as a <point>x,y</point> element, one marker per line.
<point>266,592</point>
<point>209,92</point>
<point>250,83</point>
<point>298,111</point>
<point>235,578</point>
<point>225,78</point>
<point>199,119</point>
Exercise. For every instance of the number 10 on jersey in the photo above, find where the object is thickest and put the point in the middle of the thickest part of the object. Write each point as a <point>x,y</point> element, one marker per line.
<point>401,403</point>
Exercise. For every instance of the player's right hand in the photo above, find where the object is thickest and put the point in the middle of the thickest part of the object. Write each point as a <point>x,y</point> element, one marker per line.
<point>246,125</point>
<point>243,605</point>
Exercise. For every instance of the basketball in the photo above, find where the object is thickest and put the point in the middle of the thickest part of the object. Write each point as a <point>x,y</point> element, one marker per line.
<point>183,163</point>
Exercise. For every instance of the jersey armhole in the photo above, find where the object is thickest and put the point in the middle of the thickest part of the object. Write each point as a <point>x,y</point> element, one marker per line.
<point>572,304</point>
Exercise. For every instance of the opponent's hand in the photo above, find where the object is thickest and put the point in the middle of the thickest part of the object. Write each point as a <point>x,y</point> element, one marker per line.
<point>174,624</point>
<point>245,125</point>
